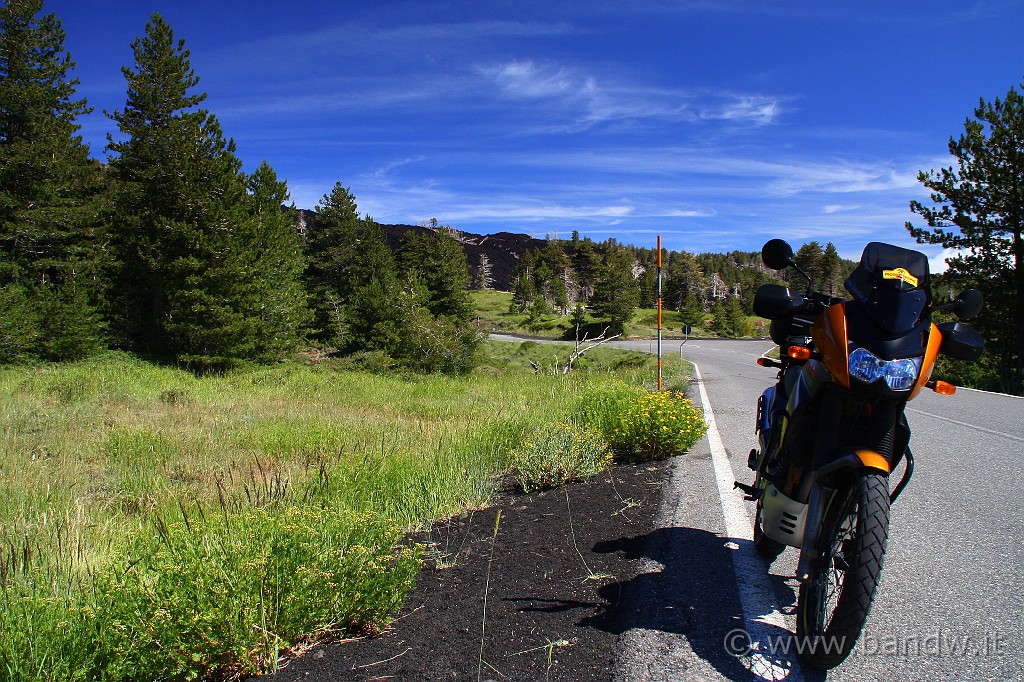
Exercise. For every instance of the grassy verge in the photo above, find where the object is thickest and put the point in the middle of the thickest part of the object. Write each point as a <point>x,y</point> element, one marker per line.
<point>154,524</point>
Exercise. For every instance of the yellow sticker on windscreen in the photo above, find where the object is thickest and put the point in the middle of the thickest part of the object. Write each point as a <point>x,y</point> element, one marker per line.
<point>900,274</point>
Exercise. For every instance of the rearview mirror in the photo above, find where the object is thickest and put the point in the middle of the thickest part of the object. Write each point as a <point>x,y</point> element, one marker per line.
<point>968,304</point>
<point>777,254</point>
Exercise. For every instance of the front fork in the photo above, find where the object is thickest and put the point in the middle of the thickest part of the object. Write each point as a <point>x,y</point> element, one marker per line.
<point>816,505</point>
<point>822,494</point>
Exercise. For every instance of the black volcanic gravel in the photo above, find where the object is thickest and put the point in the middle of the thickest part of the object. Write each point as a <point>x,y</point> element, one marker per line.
<point>559,559</point>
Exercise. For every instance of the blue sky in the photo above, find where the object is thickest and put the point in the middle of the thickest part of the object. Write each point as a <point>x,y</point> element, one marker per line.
<point>715,123</point>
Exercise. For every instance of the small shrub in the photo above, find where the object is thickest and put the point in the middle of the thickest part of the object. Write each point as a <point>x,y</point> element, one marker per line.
<point>177,396</point>
<point>555,454</point>
<point>440,345</point>
<point>527,347</point>
<point>657,425</point>
<point>601,408</point>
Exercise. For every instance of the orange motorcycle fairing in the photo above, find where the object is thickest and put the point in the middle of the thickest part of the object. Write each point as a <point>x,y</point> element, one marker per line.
<point>830,339</point>
<point>931,352</point>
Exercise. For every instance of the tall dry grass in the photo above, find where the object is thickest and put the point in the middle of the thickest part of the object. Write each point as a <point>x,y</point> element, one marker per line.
<point>158,524</point>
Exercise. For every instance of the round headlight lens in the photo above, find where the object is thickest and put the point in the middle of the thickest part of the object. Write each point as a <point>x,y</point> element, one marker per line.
<point>898,375</point>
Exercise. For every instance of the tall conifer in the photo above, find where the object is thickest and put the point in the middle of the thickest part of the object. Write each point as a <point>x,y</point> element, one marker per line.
<point>616,293</point>
<point>272,247</point>
<point>330,251</point>
<point>978,209</point>
<point>184,224</point>
<point>49,191</point>
<point>437,260</point>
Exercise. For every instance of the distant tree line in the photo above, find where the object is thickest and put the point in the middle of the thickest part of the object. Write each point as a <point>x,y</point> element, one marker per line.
<point>611,281</point>
<point>170,249</point>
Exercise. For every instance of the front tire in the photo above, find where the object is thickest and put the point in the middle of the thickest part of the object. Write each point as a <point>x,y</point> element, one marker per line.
<point>835,601</point>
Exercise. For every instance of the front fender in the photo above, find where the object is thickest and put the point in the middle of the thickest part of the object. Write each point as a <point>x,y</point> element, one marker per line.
<point>849,459</point>
<point>854,458</point>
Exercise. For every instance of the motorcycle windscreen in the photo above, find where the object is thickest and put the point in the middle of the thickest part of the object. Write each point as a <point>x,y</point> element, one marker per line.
<point>892,285</point>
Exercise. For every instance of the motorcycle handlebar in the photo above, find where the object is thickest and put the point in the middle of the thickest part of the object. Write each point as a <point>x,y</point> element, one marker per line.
<point>816,302</point>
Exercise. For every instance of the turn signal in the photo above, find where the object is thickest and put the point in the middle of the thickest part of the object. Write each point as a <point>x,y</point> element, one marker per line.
<point>944,388</point>
<point>799,352</point>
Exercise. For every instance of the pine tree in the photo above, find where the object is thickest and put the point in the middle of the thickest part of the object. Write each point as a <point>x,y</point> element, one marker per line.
<point>830,271</point>
<point>692,311</point>
<point>559,293</point>
<point>616,294</point>
<point>552,275</point>
<point>586,261</point>
<point>720,323</point>
<point>184,219</point>
<point>439,332</point>
<point>272,246</point>
<point>684,279</point>
<point>49,193</point>
<point>360,301</point>
<point>437,260</point>
<point>808,257</point>
<point>980,212</point>
<point>374,318</point>
<point>647,283</point>
<point>524,290</point>
<point>19,322</point>
<point>736,320</point>
<point>330,247</point>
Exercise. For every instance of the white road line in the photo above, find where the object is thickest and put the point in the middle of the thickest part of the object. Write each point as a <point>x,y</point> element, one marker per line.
<point>762,619</point>
<point>978,390</point>
<point>1001,434</point>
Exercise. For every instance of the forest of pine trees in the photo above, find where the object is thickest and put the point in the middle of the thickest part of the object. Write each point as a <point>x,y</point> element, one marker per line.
<point>171,250</point>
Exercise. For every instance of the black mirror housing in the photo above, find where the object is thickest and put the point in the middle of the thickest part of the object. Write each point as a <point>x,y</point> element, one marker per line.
<point>777,254</point>
<point>960,341</point>
<point>968,304</point>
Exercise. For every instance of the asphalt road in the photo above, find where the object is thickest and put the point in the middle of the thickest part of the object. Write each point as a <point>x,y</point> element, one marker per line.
<point>951,601</point>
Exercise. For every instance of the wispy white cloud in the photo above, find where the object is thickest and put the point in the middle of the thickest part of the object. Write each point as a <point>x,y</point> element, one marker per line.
<point>937,257</point>
<point>489,211</point>
<point>686,213</point>
<point>829,209</point>
<point>528,80</point>
<point>592,99</point>
<point>754,109</point>
<point>423,33</point>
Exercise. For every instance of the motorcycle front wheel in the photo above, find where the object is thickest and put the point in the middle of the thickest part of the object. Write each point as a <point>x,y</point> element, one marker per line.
<point>835,601</point>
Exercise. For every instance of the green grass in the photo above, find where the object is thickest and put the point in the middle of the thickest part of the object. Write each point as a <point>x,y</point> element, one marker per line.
<point>156,524</point>
<point>492,309</point>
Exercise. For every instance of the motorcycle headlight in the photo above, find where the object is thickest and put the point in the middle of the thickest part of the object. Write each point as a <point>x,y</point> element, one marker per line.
<point>898,375</point>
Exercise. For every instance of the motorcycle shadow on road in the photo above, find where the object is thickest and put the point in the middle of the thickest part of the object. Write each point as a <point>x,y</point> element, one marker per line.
<point>690,590</point>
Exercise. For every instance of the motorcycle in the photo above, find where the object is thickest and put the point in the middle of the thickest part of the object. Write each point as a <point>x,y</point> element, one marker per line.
<point>832,429</point>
